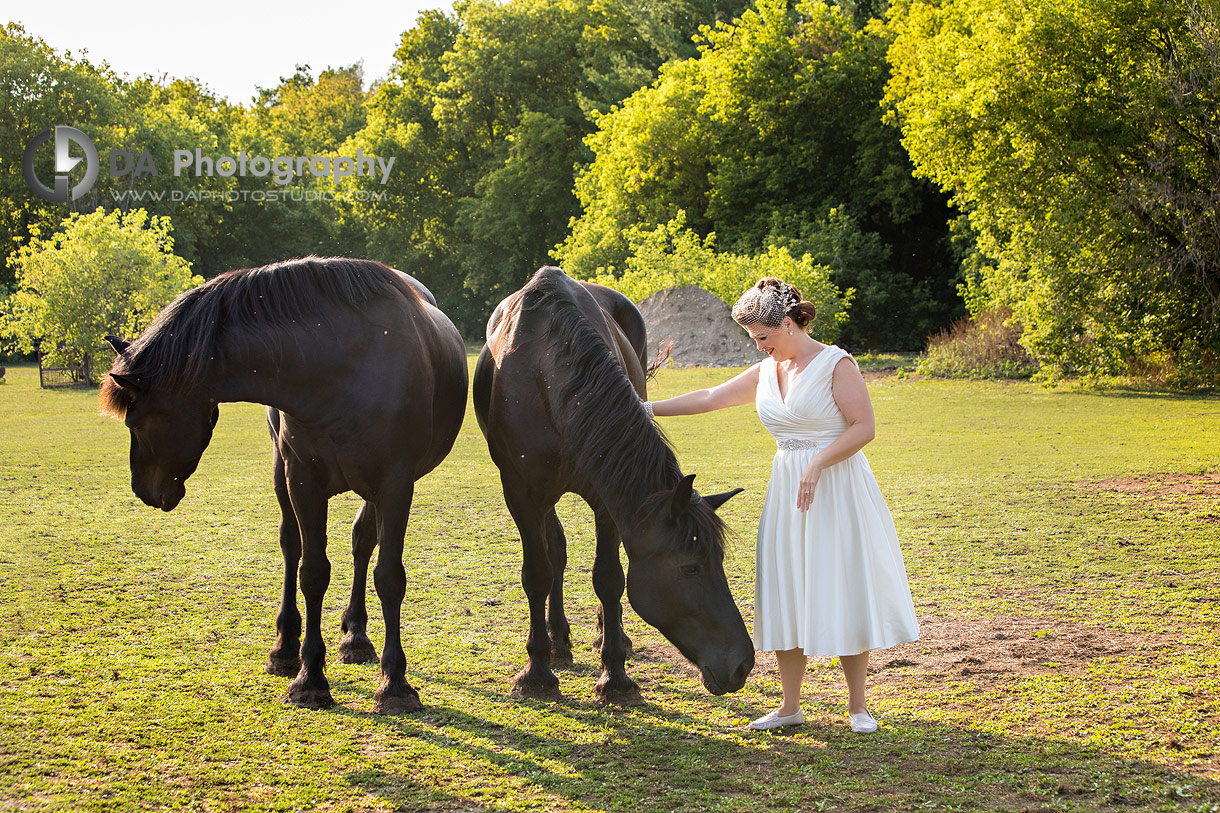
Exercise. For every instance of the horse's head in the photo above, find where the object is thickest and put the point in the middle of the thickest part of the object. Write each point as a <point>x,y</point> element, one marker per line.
<point>676,583</point>
<point>169,431</point>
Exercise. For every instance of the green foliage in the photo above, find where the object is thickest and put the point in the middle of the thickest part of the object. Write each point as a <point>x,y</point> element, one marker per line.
<point>487,110</point>
<point>763,130</point>
<point>1079,136</point>
<point>40,88</point>
<point>889,310</point>
<point>773,136</point>
<point>308,116</point>
<point>987,345</point>
<point>100,274</point>
<point>673,255</point>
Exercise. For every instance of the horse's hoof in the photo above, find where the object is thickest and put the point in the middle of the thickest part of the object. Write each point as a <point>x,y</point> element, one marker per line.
<point>526,686</point>
<point>623,692</point>
<point>357,650</point>
<point>619,697</point>
<point>282,667</point>
<point>309,697</point>
<point>561,658</point>
<point>396,700</point>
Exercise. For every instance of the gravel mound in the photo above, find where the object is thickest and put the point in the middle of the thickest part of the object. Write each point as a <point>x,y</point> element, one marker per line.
<point>700,326</point>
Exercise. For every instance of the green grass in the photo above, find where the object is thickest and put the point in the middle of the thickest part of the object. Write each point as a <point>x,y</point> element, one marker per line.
<point>132,642</point>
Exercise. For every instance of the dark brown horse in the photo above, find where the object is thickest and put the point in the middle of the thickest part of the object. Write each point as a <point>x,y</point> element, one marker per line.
<point>557,393</point>
<point>365,384</point>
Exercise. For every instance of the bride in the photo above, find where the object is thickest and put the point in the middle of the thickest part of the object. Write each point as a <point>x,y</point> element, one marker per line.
<point>830,579</point>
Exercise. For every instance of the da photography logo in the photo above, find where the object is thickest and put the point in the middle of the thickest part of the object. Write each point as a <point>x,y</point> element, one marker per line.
<point>64,163</point>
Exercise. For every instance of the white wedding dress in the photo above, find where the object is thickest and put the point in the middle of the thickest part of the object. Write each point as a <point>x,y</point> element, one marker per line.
<point>830,580</point>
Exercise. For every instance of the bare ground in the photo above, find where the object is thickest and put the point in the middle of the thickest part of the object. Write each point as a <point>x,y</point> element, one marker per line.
<point>1195,494</point>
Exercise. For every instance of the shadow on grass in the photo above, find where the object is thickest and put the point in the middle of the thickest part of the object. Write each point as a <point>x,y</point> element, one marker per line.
<point>660,758</point>
<point>1131,392</point>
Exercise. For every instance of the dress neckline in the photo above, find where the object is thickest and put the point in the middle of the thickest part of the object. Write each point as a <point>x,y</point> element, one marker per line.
<point>783,399</point>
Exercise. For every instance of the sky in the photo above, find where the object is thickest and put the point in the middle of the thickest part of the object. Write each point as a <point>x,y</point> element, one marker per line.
<point>232,47</point>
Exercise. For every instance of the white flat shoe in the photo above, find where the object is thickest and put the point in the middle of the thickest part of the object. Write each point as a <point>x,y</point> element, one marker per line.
<point>773,720</point>
<point>862,723</point>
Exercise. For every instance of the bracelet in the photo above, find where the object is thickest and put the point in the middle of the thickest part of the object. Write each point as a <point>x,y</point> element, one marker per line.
<point>648,410</point>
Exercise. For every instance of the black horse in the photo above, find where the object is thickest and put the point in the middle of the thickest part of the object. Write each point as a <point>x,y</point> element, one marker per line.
<point>365,383</point>
<point>557,393</point>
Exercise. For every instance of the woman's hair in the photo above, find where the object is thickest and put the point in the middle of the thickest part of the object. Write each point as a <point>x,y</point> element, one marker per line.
<point>769,301</point>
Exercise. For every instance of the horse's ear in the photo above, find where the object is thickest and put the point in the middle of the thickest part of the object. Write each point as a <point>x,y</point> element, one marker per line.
<point>119,345</point>
<point>680,501</point>
<point>126,382</point>
<point>717,500</point>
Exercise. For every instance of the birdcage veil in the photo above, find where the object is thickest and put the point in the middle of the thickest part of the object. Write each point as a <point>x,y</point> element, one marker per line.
<point>766,306</point>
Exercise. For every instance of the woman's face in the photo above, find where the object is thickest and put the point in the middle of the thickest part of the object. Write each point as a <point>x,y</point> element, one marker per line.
<point>774,341</point>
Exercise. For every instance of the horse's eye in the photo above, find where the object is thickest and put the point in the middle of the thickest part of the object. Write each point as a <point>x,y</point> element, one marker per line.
<point>690,570</point>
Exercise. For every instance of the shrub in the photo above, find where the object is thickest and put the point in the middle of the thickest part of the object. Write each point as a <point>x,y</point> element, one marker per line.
<point>985,346</point>
<point>672,255</point>
<point>101,273</point>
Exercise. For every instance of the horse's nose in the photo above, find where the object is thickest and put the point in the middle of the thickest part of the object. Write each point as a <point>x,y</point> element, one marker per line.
<point>145,495</point>
<point>738,679</point>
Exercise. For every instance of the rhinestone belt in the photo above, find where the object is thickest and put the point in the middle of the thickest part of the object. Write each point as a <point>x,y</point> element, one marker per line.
<point>791,444</point>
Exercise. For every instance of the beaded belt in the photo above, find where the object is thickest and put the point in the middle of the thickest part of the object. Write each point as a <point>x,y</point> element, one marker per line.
<point>791,444</point>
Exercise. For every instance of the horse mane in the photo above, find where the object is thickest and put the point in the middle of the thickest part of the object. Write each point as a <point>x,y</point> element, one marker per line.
<point>177,349</point>
<point>604,423</point>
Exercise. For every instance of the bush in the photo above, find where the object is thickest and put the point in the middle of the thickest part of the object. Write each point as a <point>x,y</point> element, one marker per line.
<point>672,255</point>
<point>101,273</point>
<point>986,346</point>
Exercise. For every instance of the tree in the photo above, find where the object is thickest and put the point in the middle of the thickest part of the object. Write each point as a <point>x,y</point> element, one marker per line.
<point>40,88</point>
<point>771,133</point>
<point>1081,138</point>
<point>486,111</point>
<point>100,274</point>
<point>308,116</point>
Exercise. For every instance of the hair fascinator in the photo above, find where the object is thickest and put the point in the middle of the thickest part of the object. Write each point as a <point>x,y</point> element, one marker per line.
<point>765,306</point>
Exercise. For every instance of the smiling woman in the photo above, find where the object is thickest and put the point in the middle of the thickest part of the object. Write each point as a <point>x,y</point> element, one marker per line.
<point>830,577</point>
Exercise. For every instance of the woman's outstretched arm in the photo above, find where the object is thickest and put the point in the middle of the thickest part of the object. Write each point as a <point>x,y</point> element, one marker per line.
<point>738,390</point>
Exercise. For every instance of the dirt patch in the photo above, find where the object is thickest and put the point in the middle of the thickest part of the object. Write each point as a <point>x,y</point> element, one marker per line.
<point>874,375</point>
<point>1195,494</point>
<point>998,649</point>
<point>989,651</point>
<point>700,326</point>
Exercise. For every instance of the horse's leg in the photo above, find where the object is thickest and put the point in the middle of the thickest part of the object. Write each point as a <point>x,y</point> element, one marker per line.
<point>394,695</point>
<point>310,688</point>
<point>610,532</point>
<point>285,658</point>
<point>558,628</point>
<point>536,679</point>
<point>614,686</point>
<point>628,647</point>
<point>356,646</point>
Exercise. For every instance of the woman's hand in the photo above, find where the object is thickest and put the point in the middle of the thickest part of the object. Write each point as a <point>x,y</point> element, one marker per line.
<point>809,481</point>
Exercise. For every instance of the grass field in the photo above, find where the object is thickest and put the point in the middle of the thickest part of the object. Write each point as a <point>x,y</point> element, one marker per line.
<point>1062,550</point>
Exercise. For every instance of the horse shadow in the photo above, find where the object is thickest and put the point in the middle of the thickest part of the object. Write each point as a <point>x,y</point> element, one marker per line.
<point>659,756</point>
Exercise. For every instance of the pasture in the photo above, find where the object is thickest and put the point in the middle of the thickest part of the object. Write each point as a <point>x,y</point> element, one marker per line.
<point>1061,545</point>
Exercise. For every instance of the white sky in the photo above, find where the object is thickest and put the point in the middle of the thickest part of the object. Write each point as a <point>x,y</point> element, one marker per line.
<point>232,47</point>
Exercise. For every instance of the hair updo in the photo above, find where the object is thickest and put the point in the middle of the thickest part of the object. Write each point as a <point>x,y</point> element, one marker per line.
<point>769,301</point>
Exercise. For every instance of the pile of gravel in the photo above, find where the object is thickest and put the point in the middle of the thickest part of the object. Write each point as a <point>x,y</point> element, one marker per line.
<point>700,326</point>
